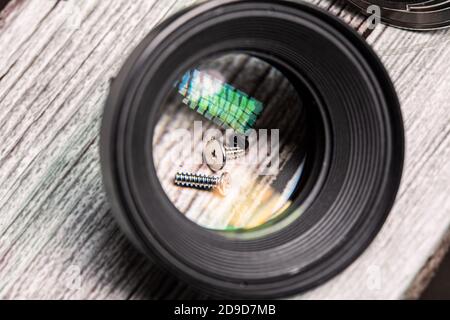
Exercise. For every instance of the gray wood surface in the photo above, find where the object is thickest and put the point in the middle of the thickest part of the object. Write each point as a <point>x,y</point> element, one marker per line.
<point>58,239</point>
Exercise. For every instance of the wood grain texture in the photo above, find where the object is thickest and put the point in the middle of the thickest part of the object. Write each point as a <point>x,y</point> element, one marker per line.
<point>58,239</point>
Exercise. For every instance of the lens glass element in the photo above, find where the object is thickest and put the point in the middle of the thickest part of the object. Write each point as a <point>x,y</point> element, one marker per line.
<point>231,143</point>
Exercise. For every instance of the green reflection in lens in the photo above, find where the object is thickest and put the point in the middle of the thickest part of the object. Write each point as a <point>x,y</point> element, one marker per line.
<point>219,102</point>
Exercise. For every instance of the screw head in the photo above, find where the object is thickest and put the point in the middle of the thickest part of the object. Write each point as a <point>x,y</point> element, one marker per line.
<point>214,155</point>
<point>224,185</point>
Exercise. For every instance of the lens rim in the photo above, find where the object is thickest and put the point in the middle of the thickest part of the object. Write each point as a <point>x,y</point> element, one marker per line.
<point>204,267</point>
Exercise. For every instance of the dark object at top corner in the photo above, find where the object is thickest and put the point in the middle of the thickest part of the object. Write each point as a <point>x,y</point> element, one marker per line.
<point>409,14</point>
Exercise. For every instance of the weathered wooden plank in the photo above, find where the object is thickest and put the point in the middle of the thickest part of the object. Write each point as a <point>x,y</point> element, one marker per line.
<point>58,239</point>
<point>65,123</point>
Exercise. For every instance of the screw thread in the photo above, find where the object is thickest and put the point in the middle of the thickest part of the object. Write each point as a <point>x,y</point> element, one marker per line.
<point>199,181</point>
<point>234,152</point>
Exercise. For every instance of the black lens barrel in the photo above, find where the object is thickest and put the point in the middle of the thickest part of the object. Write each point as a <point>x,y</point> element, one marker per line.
<point>359,167</point>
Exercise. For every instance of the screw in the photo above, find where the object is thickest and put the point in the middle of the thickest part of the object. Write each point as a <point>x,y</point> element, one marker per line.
<point>216,154</point>
<point>201,181</point>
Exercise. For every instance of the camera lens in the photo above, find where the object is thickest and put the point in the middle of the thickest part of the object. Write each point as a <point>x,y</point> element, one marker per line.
<point>252,148</point>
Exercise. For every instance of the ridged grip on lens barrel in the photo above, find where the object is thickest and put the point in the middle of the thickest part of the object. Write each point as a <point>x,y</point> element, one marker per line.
<point>359,172</point>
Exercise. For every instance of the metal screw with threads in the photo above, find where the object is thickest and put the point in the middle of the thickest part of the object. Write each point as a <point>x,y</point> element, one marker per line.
<point>201,181</point>
<point>234,152</point>
<point>215,154</point>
